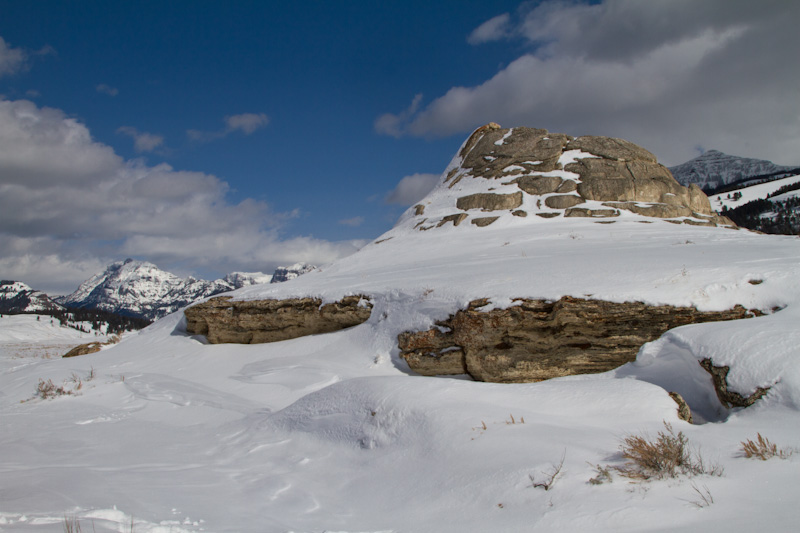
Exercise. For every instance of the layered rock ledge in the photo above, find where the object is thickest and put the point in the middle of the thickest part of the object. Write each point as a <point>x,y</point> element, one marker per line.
<point>224,320</point>
<point>536,340</point>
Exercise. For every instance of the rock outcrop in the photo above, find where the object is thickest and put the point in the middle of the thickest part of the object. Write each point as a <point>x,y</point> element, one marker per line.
<point>536,340</point>
<point>224,320</point>
<point>727,397</point>
<point>526,170</point>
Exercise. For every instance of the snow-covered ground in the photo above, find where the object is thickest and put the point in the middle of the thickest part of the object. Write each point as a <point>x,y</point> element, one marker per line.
<point>756,192</point>
<point>32,336</point>
<point>334,432</point>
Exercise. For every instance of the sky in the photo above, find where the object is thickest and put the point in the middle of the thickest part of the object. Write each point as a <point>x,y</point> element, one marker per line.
<point>211,137</point>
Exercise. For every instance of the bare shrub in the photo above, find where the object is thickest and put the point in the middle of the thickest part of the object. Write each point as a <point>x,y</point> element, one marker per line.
<point>550,476</point>
<point>47,390</point>
<point>666,456</point>
<point>763,449</point>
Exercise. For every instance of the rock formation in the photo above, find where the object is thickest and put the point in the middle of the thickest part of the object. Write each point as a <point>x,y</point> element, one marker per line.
<point>536,340</point>
<point>222,319</point>
<point>553,175</point>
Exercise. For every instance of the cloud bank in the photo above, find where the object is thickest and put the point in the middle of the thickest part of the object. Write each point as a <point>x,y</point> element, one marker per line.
<point>670,75</point>
<point>69,205</point>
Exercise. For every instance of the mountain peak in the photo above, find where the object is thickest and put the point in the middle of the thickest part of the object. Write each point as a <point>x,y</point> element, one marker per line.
<point>714,169</point>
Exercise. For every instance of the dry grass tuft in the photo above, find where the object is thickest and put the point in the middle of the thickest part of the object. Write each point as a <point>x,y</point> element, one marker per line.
<point>763,449</point>
<point>666,456</point>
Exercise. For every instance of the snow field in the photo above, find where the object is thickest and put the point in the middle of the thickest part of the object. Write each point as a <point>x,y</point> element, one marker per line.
<point>334,433</point>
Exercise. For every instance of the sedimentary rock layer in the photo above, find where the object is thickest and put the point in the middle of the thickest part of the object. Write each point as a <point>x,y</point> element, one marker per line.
<point>224,320</point>
<point>536,340</point>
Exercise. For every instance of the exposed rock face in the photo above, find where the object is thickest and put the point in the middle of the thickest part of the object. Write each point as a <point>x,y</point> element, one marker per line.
<point>727,397</point>
<point>223,320</point>
<point>84,349</point>
<point>490,201</point>
<point>538,339</point>
<point>527,166</point>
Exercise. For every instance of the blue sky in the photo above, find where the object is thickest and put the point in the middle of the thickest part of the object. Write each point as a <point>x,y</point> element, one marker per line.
<point>217,136</point>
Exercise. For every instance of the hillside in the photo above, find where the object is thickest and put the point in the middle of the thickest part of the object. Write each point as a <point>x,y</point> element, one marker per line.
<point>335,432</point>
<point>715,170</point>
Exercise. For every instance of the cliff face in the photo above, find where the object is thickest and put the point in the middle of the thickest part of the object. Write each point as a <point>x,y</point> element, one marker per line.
<point>536,340</point>
<point>223,320</point>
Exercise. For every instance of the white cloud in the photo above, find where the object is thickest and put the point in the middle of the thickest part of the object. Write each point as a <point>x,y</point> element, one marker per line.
<point>352,222</point>
<point>247,123</point>
<point>390,124</point>
<point>667,75</point>
<point>142,141</point>
<point>493,29</point>
<point>12,60</point>
<point>69,205</point>
<point>411,189</point>
<point>107,89</point>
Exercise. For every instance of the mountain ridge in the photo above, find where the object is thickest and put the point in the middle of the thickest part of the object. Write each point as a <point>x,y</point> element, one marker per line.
<point>713,170</point>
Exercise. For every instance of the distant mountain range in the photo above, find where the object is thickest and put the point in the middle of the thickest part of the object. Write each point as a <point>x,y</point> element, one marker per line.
<point>137,289</point>
<point>16,297</point>
<point>715,170</point>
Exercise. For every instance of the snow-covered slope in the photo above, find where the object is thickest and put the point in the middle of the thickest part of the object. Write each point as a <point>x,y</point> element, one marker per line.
<point>334,432</point>
<point>714,169</point>
<point>16,297</point>
<point>732,200</point>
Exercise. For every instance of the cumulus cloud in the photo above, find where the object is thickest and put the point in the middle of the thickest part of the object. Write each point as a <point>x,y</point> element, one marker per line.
<point>12,60</point>
<point>411,189</point>
<point>107,89</point>
<point>666,74</point>
<point>246,123</point>
<point>142,141</point>
<point>69,205</point>
<point>493,29</point>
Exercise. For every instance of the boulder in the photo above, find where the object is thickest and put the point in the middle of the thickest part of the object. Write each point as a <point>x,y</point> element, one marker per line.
<point>490,201</point>
<point>536,340</point>
<point>224,320</point>
<point>483,221</point>
<point>563,201</point>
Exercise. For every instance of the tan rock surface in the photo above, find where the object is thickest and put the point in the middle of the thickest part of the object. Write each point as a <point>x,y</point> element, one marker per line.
<point>223,320</point>
<point>536,339</point>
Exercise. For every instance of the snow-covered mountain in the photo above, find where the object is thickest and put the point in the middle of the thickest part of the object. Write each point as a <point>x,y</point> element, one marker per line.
<point>16,297</point>
<point>335,432</point>
<point>715,169</point>
<point>141,289</point>
<point>287,273</point>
